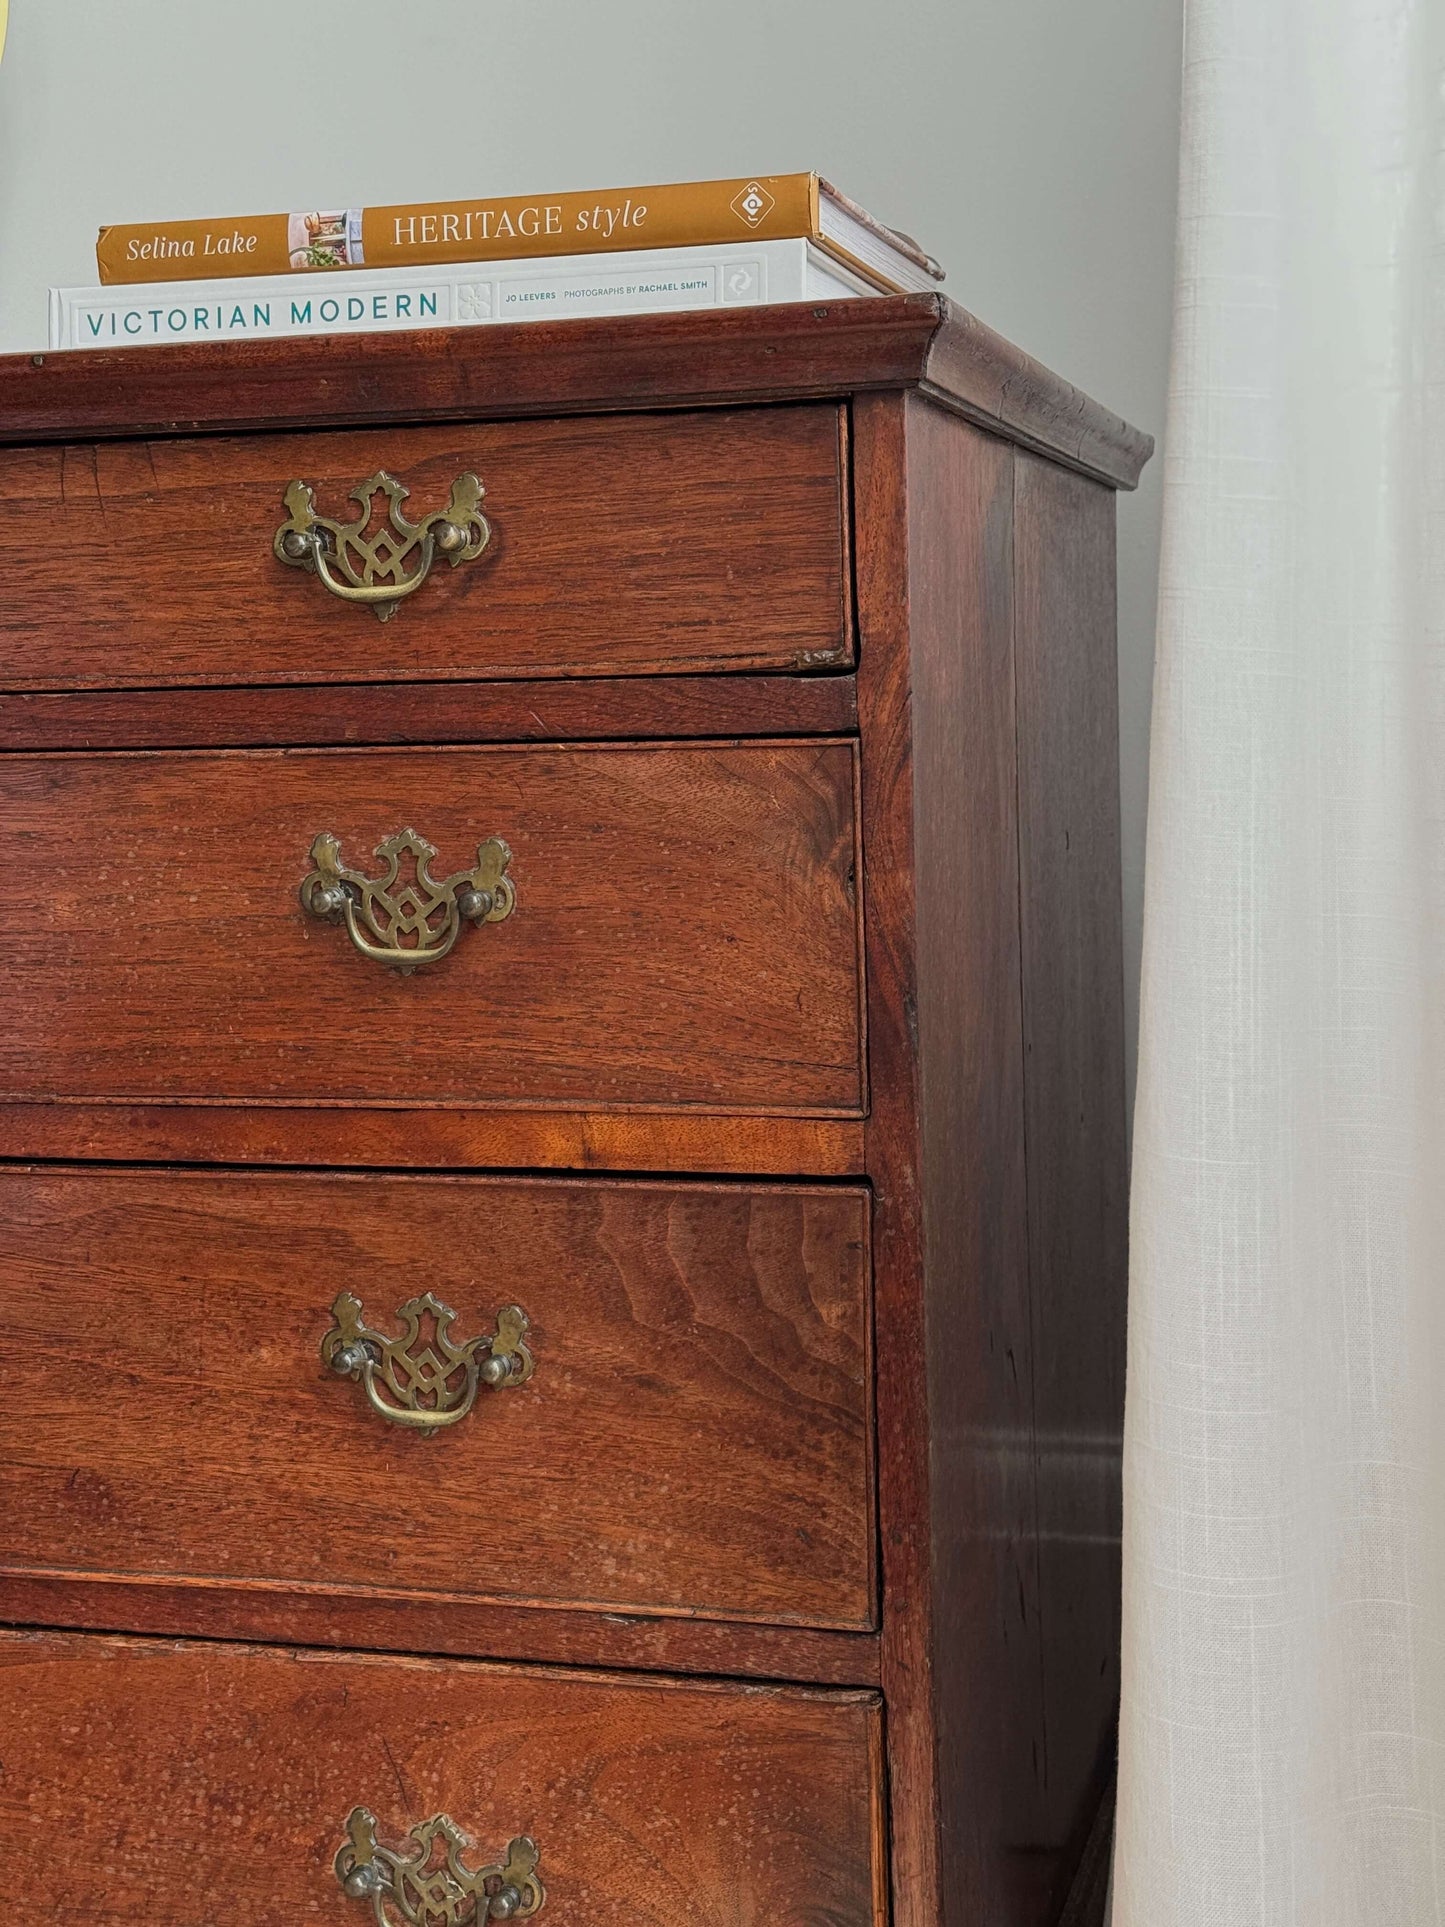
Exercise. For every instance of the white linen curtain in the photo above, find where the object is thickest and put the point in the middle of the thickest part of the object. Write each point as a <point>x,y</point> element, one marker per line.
<point>1284,1595</point>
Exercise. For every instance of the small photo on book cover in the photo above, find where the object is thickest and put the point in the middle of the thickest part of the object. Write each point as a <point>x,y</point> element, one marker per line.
<point>330,240</point>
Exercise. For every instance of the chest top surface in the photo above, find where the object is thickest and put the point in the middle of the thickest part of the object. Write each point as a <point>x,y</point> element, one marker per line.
<point>925,342</point>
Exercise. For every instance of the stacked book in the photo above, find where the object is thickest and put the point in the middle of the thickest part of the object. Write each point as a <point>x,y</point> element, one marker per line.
<point>699,244</point>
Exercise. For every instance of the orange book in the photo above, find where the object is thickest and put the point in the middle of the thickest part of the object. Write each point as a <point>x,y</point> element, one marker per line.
<point>681,214</point>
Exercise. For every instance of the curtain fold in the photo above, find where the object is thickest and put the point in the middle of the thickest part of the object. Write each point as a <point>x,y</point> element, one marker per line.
<point>1282,1746</point>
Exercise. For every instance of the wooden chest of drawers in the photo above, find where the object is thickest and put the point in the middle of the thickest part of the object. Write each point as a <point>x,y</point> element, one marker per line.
<point>561,1294</point>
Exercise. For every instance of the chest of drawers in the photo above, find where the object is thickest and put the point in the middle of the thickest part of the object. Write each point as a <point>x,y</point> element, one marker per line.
<point>561,1152</point>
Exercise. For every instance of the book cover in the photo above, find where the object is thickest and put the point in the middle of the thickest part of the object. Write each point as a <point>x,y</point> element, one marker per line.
<point>258,307</point>
<point>680,214</point>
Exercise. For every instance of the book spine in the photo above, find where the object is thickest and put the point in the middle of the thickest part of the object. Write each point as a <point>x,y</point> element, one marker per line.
<point>193,250</point>
<point>391,299</point>
<point>691,214</point>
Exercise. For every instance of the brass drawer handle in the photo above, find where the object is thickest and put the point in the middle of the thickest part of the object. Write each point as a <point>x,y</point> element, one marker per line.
<point>380,570</point>
<point>426,1381</point>
<point>426,1882</point>
<point>419,922</point>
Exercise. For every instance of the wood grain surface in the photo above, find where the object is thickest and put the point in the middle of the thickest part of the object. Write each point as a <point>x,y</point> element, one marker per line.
<point>629,545</point>
<point>177,1784</point>
<point>993,1145</point>
<point>922,341</point>
<point>686,930</point>
<point>422,1623</point>
<point>992,1741</point>
<point>1073,1010</point>
<point>536,710</point>
<point>912,1669</point>
<point>356,1137</point>
<point>703,977</point>
<point>696,1437</point>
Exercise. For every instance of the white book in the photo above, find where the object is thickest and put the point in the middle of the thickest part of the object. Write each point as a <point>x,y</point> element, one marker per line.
<point>736,274</point>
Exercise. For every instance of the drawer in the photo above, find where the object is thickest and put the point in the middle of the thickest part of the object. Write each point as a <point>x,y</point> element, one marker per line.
<point>619,545</point>
<point>179,1785</point>
<point>694,1437</point>
<point>685,929</point>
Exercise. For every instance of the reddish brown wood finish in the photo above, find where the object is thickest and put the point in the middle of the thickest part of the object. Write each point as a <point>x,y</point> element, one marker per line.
<point>173,1784</point>
<point>1073,1014</point>
<point>702,1354</point>
<point>909,341</point>
<point>401,1623</point>
<point>497,712</point>
<point>639,544</point>
<point>972,1167</point>
<point>686,931</point>
<point>422,1140</point>
<point>988,1126</point>
<point>882,550</point>
<point>983,757</point>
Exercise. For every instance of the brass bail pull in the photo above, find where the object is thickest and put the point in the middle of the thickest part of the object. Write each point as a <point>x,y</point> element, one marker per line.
<point>405,921</point>
<point>423,1379</point>
<point>383,568</point>
<point>427,1880</point>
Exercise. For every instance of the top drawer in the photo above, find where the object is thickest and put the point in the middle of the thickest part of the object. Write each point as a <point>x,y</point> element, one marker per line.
<point>620,545</point>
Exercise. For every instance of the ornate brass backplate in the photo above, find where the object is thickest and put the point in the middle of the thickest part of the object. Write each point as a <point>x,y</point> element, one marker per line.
<point>426,1883</point>
<point>383,568</point>
<point>424,1379</point>
<point>407,924</point>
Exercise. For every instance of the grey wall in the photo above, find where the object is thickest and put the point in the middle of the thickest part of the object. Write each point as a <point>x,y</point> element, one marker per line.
<point>1030,144</point>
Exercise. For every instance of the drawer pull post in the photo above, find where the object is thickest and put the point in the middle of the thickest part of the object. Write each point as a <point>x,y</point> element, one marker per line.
<point>380,570</point>
<point>423,1379</point>
<point>417,921</point>
<point>427,1880</point>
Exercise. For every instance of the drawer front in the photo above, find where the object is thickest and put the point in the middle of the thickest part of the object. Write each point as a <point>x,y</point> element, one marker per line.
<point>177,1785</point>
<point>694,1437</point>
<point>685,929</point>
<point>618,545</point>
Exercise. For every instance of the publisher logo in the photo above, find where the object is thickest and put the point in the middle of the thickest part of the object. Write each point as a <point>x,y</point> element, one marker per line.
<point>754,204</point>
<point>741,283</point>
